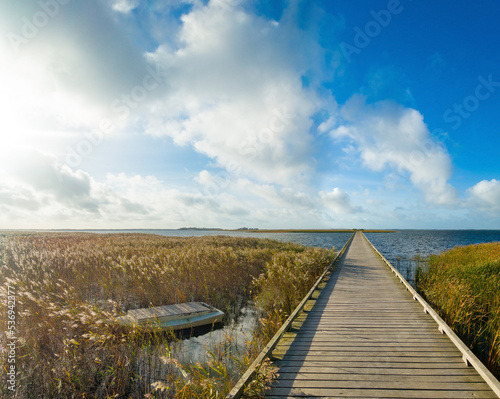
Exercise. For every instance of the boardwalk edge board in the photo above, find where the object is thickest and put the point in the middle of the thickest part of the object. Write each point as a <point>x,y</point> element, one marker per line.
<point>239,388</point>
<point>467,356</point>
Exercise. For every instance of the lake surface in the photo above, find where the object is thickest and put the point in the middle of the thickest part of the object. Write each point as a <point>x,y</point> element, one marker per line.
<point>404,248</point>
<point>400,248</point>
<point>404,244</point>
<point>324,240</point>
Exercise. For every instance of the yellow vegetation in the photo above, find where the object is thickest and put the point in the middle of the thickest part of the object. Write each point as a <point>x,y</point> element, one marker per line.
<point>464,286</point>
<point>70,286</point>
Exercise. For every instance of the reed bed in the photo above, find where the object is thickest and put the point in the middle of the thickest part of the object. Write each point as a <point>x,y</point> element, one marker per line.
<point>463,284</point>
<point>71,286</point>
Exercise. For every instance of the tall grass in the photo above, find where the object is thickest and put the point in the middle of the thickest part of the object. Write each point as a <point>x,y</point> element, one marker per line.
<point>464,286</point>
<point>70,286</point>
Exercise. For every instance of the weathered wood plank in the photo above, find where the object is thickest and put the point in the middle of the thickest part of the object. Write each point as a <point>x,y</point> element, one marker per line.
<point>277,393</point>
<point>383,378</point>
<point>368,372</point>
<point>366,350</point>
<point>369,358</point>
<point>365,337</point>
<point>407,384</point>
<point>373,365</point>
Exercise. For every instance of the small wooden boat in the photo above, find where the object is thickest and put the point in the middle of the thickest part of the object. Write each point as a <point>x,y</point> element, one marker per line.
<point>174,317</point>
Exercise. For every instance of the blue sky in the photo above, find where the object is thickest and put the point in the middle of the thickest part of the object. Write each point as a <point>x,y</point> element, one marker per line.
<point>231,113</point>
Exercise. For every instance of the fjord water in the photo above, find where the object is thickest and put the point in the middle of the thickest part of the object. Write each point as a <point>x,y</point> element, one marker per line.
<point>407,249</point>
<point>400,248</point>
<point>408,244</point>
<point>403,244</point>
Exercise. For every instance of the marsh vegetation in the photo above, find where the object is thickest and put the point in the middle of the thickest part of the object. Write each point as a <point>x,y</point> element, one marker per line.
<point>463,285</point>
<point>71,286</point>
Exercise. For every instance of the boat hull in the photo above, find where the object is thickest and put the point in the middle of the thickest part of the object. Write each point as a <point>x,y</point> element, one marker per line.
<point>179,321</point>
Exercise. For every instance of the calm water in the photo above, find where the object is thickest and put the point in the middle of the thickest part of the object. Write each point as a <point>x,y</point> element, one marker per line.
<point>409,243</point>
<point>400,248</point>
<point>404,244</point>
<point>324,240</point>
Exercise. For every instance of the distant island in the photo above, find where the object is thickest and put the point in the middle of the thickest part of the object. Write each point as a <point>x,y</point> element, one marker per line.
<point>201,228</point>
<point>219,229</point>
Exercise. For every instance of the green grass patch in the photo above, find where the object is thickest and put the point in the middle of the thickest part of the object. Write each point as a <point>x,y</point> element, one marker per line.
<point>463,284</point>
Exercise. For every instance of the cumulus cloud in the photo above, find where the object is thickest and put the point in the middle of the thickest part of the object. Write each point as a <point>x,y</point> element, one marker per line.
<point>125,6</point>
<point>234,90</point>
<point>338,201</point>
<point>34,181</point>
<point>67,71</point>
<point>235,93</point>
<point>302,203</point>
<point>485,196</point>
<point>223,80</point>
<point>390,136</point>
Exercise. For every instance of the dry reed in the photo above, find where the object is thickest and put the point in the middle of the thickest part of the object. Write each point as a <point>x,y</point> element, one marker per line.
<point>70,286</point>
<point>463,284</point>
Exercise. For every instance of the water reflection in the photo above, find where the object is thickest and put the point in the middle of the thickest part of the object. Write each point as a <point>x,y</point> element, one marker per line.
<point>232,337</point>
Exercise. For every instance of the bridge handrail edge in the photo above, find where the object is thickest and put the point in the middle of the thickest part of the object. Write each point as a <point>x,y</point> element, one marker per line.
<point>239,387</point>
<point>467,355</point>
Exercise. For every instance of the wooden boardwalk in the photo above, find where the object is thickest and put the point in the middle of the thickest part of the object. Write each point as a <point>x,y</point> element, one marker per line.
<point>365,337</point>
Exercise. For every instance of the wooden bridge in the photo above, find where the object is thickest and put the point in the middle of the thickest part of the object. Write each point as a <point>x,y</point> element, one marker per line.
<point>368,334</point>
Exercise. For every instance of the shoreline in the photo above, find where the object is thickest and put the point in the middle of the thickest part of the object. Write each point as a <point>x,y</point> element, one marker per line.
<point>316,231</point>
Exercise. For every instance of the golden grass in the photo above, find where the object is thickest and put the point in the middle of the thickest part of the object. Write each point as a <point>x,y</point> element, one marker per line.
<point>464,286</point>
<point>70,285</point>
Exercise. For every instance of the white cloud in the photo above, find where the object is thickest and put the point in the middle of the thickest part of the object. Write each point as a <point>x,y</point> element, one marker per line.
<point>65,74</point>
<point>485,196</point>
<point>338,201</point>
<point>388,135</point>
<point>35,182</point>
<point>125,6</point>
<point>235,93</point>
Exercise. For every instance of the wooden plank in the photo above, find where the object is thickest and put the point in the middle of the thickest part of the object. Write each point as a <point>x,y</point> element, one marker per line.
<point>326,364</point>
<point>365,337</point>
<point>363,350</point>
<point>457,358</point>
<point>362,334</point>
<point>367,351</point>
<point>239,388</point>
<point>336,340</point>
<point>406,384</point>
<point>371,372</point>
<point>167,310</point>
<point>278,393</point>
<point>385,378</point>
